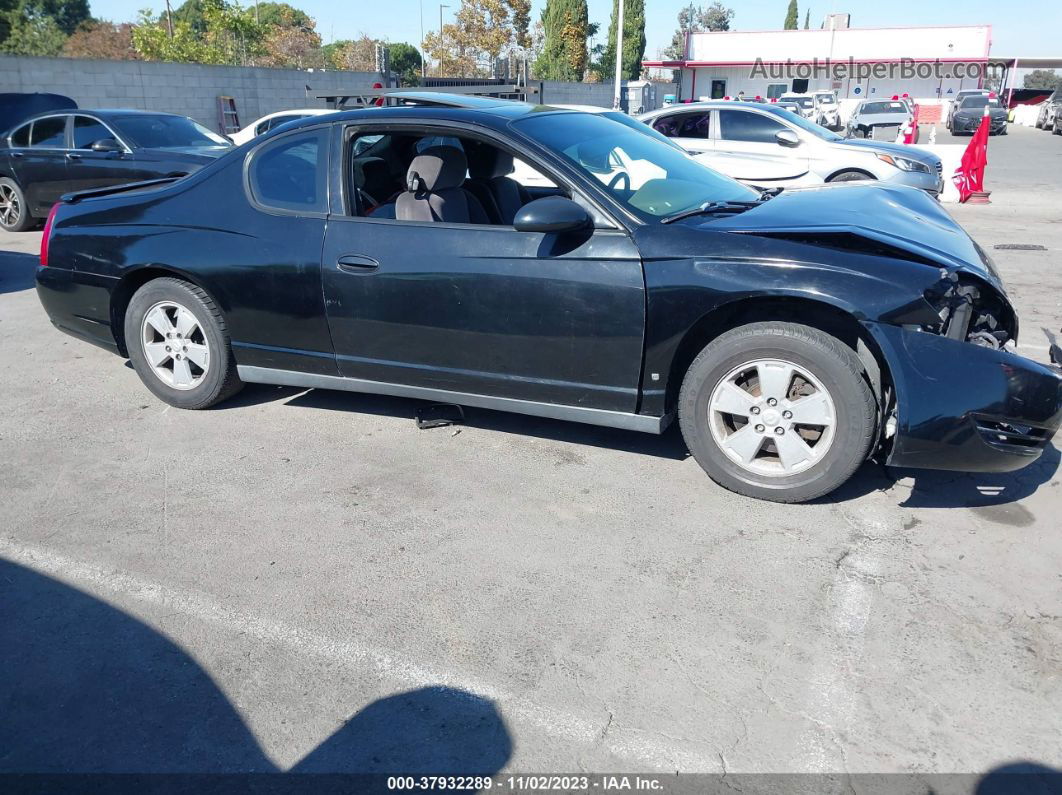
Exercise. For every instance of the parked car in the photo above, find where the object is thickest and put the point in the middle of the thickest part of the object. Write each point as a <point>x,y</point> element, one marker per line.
<point>271,120</point>
<point>767,147</point>
<point>879,119</point>
<point>792,336</point>
<point>805,102</point>
<point>967,115</point>
<point>790,106</point>
<point>1050,112</point>
<point>827,111</point>
<point>959,97</point>
<point>54,153</point>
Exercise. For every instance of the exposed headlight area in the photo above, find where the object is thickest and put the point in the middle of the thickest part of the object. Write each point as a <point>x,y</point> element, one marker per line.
<point>904,163</point>
<point>971,311</point>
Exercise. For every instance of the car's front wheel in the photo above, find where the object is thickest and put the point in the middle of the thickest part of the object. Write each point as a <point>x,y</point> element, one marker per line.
<point>14,212</point>
<point>850,176</point>
<point>777,411</point>
<point>179,344</point>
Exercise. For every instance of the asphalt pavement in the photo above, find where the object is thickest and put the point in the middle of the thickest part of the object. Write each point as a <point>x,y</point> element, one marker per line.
<point>302,580</point>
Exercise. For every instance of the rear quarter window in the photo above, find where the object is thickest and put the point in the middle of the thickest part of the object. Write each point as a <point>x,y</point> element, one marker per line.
<point>20,137</point>
<point>290,173</point>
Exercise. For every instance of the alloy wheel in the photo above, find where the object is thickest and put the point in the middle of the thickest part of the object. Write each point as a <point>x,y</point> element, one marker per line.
<point>772,417</point>
<point>10,206</point>
<point>175,345</point>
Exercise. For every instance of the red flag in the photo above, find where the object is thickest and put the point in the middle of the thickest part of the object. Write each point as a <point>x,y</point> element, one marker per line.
<point>970,175</point>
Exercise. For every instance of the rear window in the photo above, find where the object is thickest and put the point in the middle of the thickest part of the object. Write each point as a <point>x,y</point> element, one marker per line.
<point>49,132</point>
<point>883,107</point>
<point>289,173</point>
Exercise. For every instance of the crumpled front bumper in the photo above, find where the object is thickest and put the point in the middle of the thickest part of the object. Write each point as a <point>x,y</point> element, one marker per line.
<point>965,407</point>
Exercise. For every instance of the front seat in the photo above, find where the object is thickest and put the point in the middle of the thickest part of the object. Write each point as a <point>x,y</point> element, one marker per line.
<point>501,196</point>
<point>433,189</point>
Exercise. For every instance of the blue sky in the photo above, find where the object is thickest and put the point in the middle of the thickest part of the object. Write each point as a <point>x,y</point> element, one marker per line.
<point>1023,27</point>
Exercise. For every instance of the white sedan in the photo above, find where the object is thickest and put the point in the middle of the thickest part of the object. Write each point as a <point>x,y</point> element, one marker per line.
<point>268,122</point>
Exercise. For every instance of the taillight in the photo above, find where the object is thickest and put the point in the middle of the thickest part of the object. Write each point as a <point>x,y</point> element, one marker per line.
<point>48,233</point>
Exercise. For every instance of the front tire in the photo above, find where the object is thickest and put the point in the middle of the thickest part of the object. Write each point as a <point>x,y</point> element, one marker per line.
<point>179,344</point>
<point>777,411</point>
<point>849,176</point>
<point>14,212</point>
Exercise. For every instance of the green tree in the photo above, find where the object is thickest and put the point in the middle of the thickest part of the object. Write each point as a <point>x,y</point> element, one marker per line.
<point>30,31</point>
<point>470,45</point>
<point>281,15</point>
<point>792,16</point>
<point>563,55</point>
<point>633,40</point>
<point>695,19</point>
<point>521,11</point>
<point>405,61</point>
<point>1043,78</point>
<point>68,14</point>
<point>807,19</point>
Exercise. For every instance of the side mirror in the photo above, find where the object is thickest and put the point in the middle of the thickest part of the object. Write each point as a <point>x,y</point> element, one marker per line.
<point>787,138</point>
<point>106,145</point>
<point>552,214</point>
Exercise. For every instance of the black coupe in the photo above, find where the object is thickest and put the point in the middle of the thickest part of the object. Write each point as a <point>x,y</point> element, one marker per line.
<point>59,151</point>
<point>564,265</point>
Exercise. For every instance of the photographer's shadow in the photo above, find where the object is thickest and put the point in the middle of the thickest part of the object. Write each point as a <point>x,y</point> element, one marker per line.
<point>87,688</point>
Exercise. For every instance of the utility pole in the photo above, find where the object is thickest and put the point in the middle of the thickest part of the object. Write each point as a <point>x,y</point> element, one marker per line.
<point>619,57</point>
<point>423,65</point>
<point>441,7</point>
<point>169,18</point>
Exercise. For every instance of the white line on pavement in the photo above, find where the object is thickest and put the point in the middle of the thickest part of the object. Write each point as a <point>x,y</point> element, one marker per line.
<point>647,751</point>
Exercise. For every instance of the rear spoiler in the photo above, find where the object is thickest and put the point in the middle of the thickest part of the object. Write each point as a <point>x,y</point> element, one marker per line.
<point>74,198</point>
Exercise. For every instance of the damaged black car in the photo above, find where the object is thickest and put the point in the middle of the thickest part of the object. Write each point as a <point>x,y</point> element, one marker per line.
<point>563,265</point>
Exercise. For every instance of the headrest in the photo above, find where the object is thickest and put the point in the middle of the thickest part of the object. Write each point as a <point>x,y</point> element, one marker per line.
<point>437,168</point>
<point>488,162</point>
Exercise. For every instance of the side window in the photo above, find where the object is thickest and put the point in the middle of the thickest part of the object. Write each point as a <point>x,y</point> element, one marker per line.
<point>290,172</point>
<point>87,131</point>
<point>20,137</point>
<point>684,125</point>
<point>740,125</point>
<point>49,132</point>
<point>261,127</point>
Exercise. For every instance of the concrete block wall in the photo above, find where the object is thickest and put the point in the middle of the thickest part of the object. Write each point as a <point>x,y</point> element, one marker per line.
<point>555,92</point>
<point>187,89</point>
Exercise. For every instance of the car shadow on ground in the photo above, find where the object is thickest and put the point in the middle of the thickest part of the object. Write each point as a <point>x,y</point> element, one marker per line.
<point>86,687</point>
<point>17,271</point>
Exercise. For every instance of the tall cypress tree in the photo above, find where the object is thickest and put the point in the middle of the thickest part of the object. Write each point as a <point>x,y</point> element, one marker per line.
<point>807,19</point>
<point>563,55</point>
<point>792,16</point>
<point>633,40</point>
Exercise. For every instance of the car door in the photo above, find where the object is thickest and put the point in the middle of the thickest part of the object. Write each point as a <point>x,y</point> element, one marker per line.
<point>747,148</point>
<point>90,169</point>
<point>41,165</point>
<point>486,309</point>
<point>690,129</point>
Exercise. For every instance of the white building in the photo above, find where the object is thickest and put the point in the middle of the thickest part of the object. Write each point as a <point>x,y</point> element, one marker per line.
<point>857,63</point>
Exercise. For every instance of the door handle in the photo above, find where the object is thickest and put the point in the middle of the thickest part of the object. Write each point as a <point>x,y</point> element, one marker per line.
<point>73,156</point>
<point>17,154</point>
<point>352,263</point>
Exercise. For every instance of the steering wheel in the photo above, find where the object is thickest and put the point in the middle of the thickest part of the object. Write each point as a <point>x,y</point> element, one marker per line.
<point>623,176</point>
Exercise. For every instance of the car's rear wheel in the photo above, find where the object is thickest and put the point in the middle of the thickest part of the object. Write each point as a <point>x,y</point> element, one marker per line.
<point>777,411</point>
<point>850,176</point>
<point>179,344</point>
<point>14,212</point>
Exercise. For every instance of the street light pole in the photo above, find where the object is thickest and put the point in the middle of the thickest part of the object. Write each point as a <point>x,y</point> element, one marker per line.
<point>423,66</point>
<point>441,7</point>
<point>619,57</point>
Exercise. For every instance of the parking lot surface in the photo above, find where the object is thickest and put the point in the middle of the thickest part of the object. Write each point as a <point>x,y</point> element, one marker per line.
<point>303,580</point>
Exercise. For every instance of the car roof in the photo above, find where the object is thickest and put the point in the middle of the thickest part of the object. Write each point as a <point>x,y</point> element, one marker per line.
<point>444,99</point>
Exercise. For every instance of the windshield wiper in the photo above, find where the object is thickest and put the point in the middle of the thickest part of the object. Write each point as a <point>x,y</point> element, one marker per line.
<point>711,208</point>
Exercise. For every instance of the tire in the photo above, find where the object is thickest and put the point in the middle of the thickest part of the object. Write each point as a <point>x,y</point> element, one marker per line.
<point>814,356</point>
<point>849,176</point>
<point>14,212</point>
<point>193,364</point>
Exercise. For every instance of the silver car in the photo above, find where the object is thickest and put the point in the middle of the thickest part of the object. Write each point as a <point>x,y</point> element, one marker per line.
<point>880,119</point>
<point>764,146</point>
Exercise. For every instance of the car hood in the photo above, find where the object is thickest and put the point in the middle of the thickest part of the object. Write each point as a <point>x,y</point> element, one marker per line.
<point>192,154</point>
<point>901,218</point>
<point>903,150</point>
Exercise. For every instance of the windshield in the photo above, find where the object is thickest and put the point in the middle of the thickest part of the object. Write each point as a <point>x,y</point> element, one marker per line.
<point>641,127</point>
<point>649,177</point>
<point>809,126</point>
<point>166,132</point>
<point>826,99</point>
<point>979,102</point>
<point>883,107</point>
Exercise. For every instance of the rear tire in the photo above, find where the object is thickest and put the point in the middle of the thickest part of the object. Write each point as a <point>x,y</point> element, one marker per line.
<point>178,343</point>
<point>15,214</point>
<point>753,446</point>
